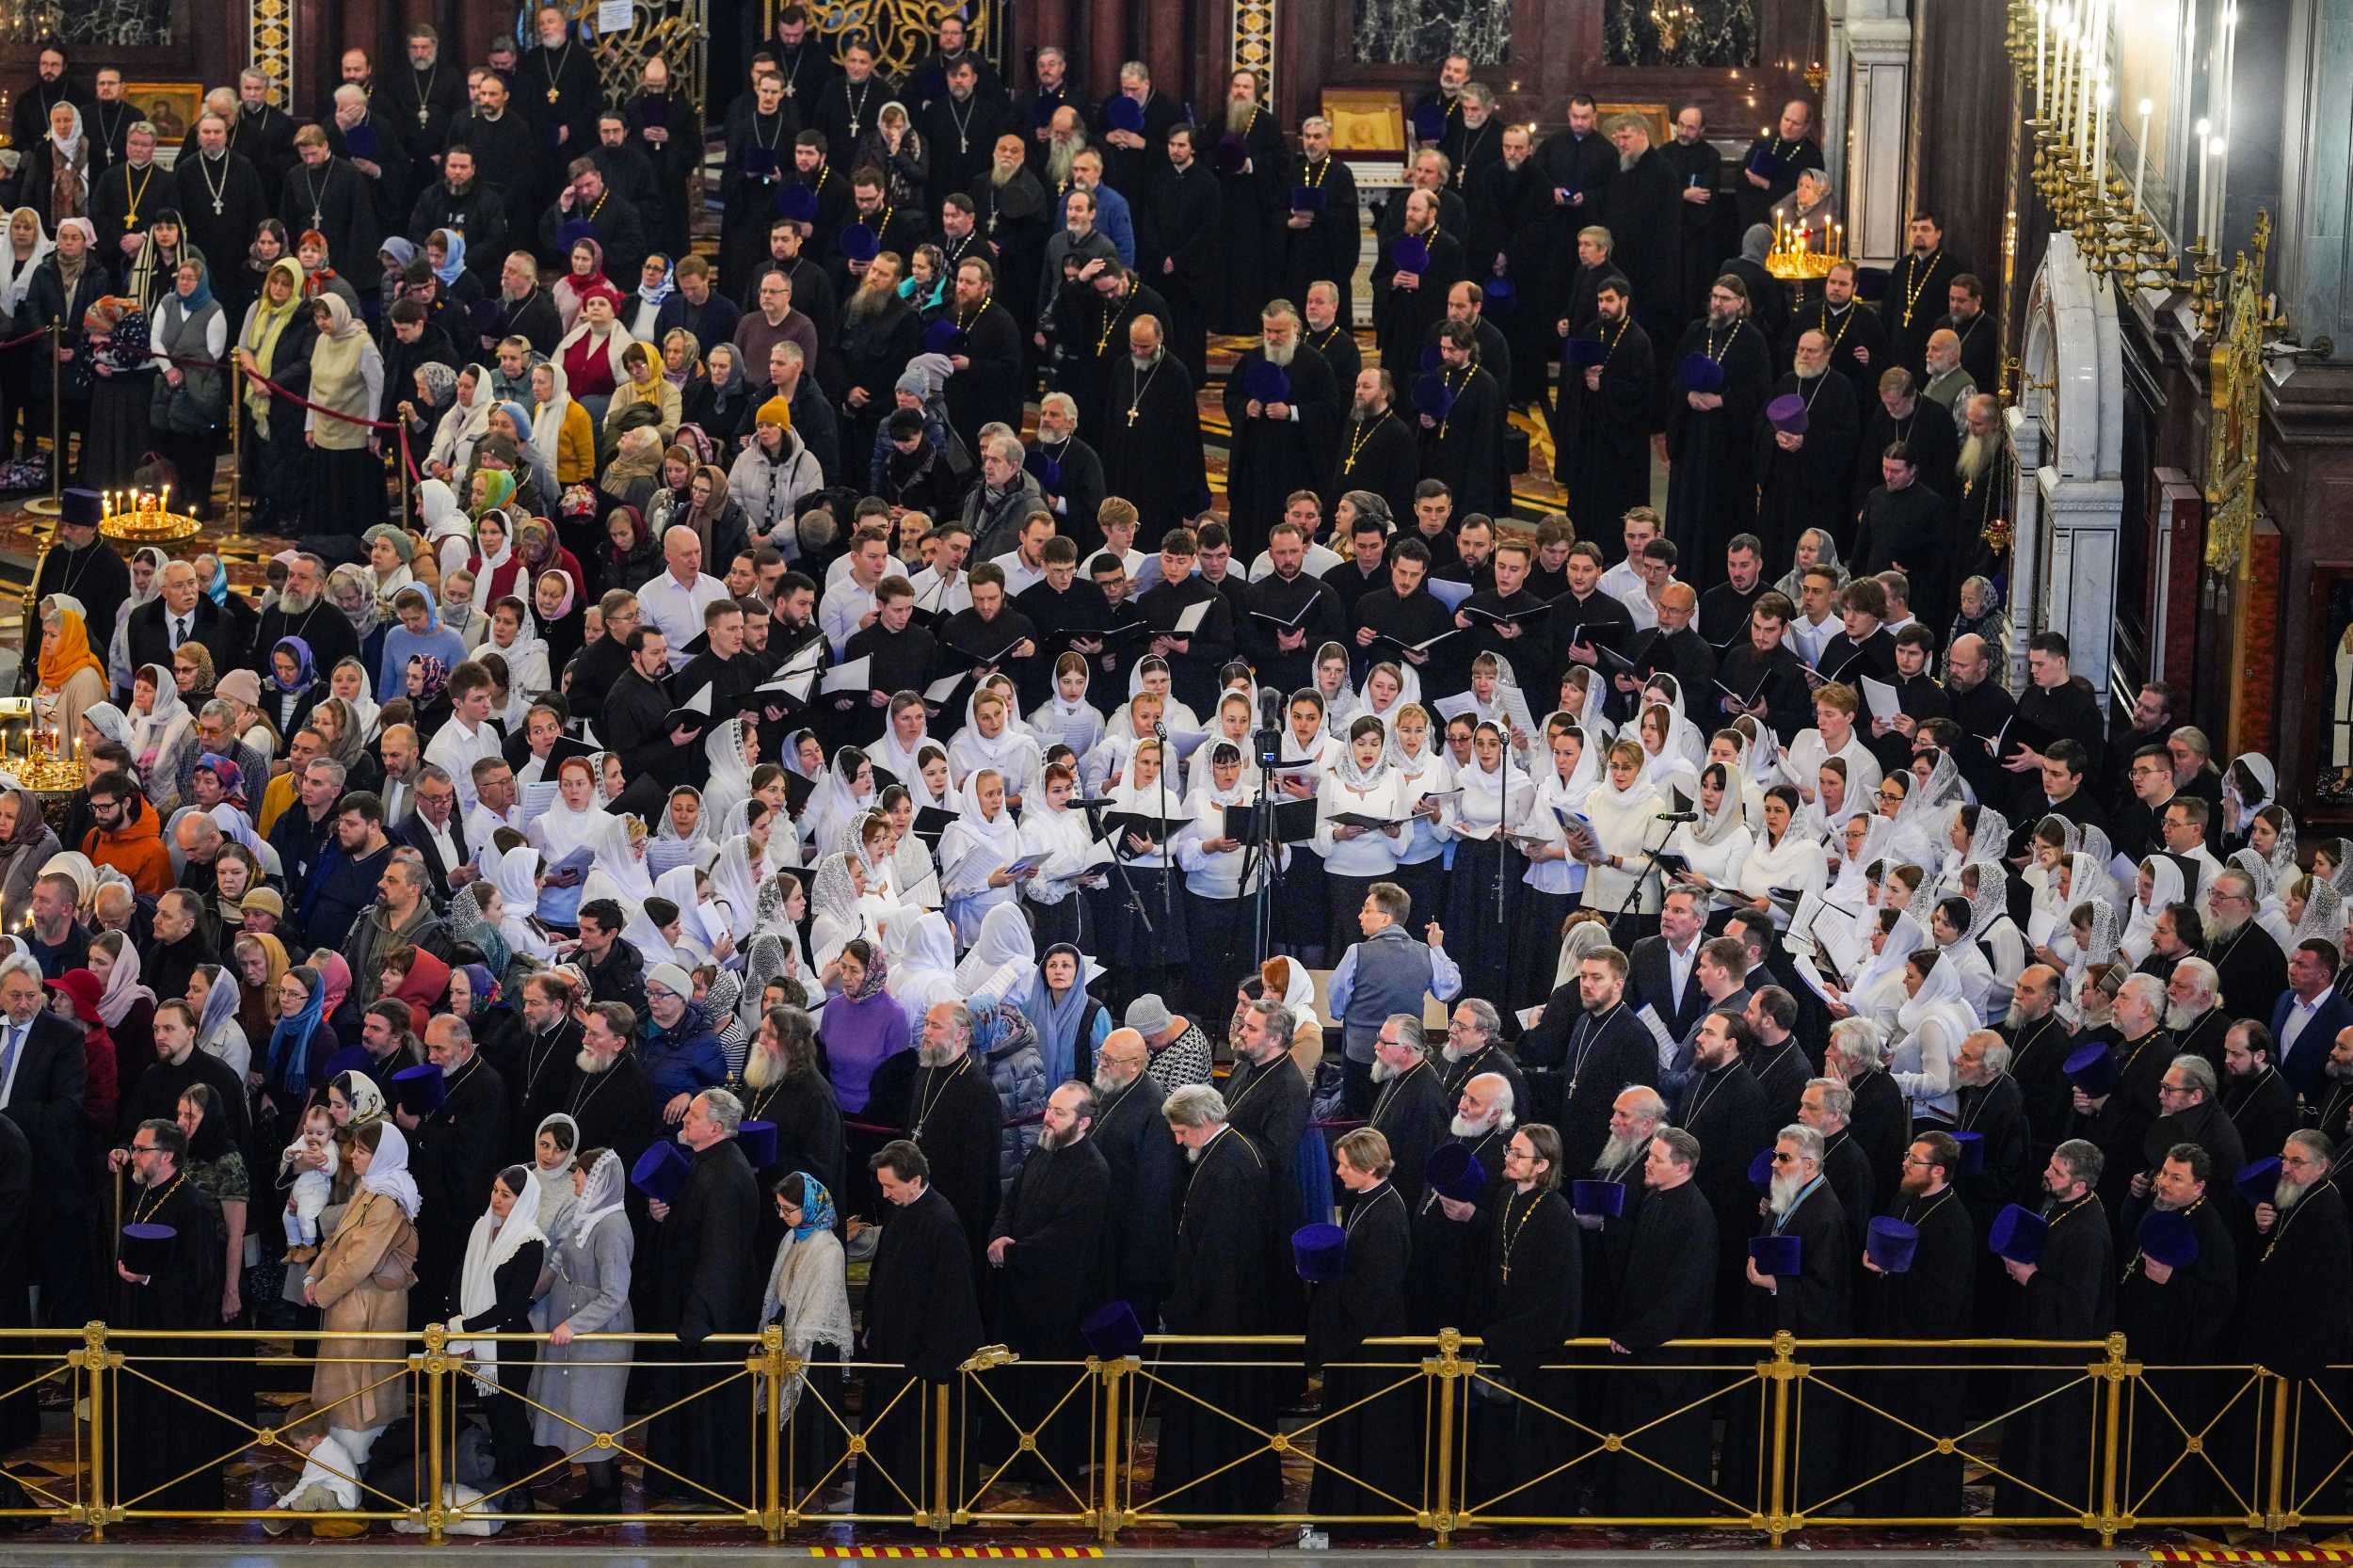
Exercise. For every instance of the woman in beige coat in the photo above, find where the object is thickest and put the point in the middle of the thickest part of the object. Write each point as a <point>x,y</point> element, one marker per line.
<point>359,1282</point>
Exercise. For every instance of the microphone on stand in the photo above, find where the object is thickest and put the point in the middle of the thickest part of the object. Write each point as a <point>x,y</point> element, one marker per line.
<point>1676,816</point>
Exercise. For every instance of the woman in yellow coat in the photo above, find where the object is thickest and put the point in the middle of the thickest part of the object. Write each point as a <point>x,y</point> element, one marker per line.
<point>359,1282</point>
<point>560,427</point>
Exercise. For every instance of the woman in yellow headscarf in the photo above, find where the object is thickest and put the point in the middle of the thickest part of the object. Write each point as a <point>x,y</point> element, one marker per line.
<point>275,340</point>
<point>72,678</point>
<point>645,389</point>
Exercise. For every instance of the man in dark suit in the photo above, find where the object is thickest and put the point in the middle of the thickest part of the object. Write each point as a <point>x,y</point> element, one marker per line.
<point>178,614</point>
<point>2309,1016</point>
<point>41,1075</point>
<point>1662,969</point>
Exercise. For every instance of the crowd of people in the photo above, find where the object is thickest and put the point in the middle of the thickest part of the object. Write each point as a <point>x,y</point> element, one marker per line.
<point>768,811</point>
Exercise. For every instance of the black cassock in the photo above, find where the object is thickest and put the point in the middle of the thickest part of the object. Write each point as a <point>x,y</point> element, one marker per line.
<point>1178,239</point>
<point>1325,250</point>
<point>1601,436</point>
<point>1644,210</point>
<point>20,1412</point>
<point>706,1280</point>
<point>1270,459</point>
<point>988,387</point>
<point>1698,166</point>
<point>1525,1305</point>
<point>1223,1241</point>
<point>338,202</point>
<point>161,1432</point>
<point>1151,444</point>
<point>1268,1104</point>
<point>1402,317</point>
<point>2306,1257</point>
<point>1668,1292</point>
<point>1929,1300</point>
<point>1911,531</point>
<point>1446,1252</point>
<point>955,1117</point>
<point>457,1151</point>
<point>558,88</point>
<point>1725,1111</point>
<point>1251,204</point>
<point>922,1316</point>
<point>1139,1247</point>
<point>221,204</point>
<point>1711,485</point>
<point>1380,454</point>
<point>1341,354</point>
<point>1464,447</point>
<point>1054,1213</point>
<point>1368,1450</point>
<point>1805,489</point>
<point>1857,345</point>
<point>1782,160</point>
<point>1413,1114</point>
<point>1814,1303</point>
<point>2184,1322</point>
<point>1918,289</point>
<point>1093,332</point>
<point>2070,1295</point>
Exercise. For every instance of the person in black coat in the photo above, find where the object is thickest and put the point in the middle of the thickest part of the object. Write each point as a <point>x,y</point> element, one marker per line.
<point>922,1314</point>
<point>1043,1261</point>
<point>2065,1292</point>
<point>1929,1299</point>
<point>1411,1113</point>
<point>1927,430</point>
<point>1524,1301</point>
<point>1724,1109</point>
<point>1906,526</point>
<point>1711,489</point>
<point>515,1282</point>
<point>1813,1300</point>
<point>2177,1316</point>
<point>150,640</point>
<point>455,1151</point>
<point>1601,427</point>
<point>1136,1261</point>
<point>955,1117</point>
<point>2304,1254</point>
<point>703,1285</point>
<point>49,298</point>
<point>1207,1463</point>
<point>1267,1101</point>
<point>1367,1449</point>
<point>1590,1047</point>
<point>1320,222</point>
<point>1666,1292</point>
<point>1804,466</point>
<point>1446,1231</point>
<point>2257,1098</point>
<point>1409,291</point>
<point>1179,228</point>
<point>1284,409</point>
<point>45,1101</point>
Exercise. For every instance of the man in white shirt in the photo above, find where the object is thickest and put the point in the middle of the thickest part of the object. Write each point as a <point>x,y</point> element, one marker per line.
<point>1024,566</point>
<point>943,589</point>
<point>1118,521</point>
<point>2183,829</point>
<point>466,736</point>
<point>1625,579</point>
<point>673,601</point>
<point>496,802</point>
<point>1818,620</point>
<point>1654,570</point>
<point>1305,513</point>
<point>849,604</point>
<point>1834,735</point>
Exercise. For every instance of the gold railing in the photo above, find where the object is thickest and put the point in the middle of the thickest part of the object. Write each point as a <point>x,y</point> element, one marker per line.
<point>2081,1434</point>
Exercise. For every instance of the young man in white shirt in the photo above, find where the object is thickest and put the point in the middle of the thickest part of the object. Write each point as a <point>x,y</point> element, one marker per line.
<point>1834,735</point>
<point>1623,580</point>
<point>1024,566</point>
<point>849,604</point>
<point>1818,620</point>
<point>942,587</point>
<point>466,736</point>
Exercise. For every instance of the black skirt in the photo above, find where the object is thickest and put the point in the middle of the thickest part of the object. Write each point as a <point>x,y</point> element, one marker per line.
<point>346,491</point>
<point>1478,923</point>
<point>1145,930</point>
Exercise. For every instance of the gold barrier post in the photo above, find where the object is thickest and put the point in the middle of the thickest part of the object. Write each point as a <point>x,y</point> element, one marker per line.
<point>943,1510</point>
<point>772,1371</point>
<point>2114,1370</point>
<point>1781,1373</point>
<point>2276,1510</point>
<point>1451,1369</point>
<point>94,1389</point>
<point>1107,1515</point>
<point>435,1370</point>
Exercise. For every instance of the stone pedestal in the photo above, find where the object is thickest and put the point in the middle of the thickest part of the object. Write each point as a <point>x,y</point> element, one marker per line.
<point>1865,117</point>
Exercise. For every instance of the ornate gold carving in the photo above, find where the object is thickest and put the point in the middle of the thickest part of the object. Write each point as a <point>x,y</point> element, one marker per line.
<point>2234,399</point>
<point>678,31</point>
<point>1253,37</point>
<point>905,32</point>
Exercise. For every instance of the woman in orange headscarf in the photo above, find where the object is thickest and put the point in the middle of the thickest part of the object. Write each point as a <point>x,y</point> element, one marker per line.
<point>72,678</point>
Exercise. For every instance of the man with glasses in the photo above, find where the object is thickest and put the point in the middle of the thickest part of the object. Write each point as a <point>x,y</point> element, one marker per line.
<point>2190,1112</point>
<point>438,834</point>
<point>2304,1248</point>
<point>2248,966</point>
<point>167,1276</point>
<point>2150,776</point>
<point>1929,1299</point>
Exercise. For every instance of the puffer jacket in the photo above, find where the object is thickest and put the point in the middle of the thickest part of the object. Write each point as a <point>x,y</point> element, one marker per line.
<point>1006,1041</point>
<point>682,1061</point>
<point>769,489</point>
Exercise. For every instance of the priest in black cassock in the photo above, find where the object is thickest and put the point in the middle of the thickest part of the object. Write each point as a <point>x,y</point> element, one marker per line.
<point>903,656</point>
<point>2176,1311</point>
<point>1223,1244</point>
<point>1907,527</point>
<point>1666,1292</point>
<point>1724,1109</point>
<point>1044,1262</point>
<point>1918,291</point>
<point>985,346</point>
<point>505,155</point>
<point>1267,1101</point>
<point>1290,615</point>
<point>2304,1254</point>
<point>1410,1110</point>
<point>1901,414</point>
<point>1377,449</point>
<point>922,1313</point>
<point>221,204</point>
<point>1366,1447</point>
<point>1711,485</point>
<point>1642,209</point>
<point>1179,230</point>
<point>759,158</point>
<point>1253,171</point>
<point>166,1274</point>
<point>1415,271</point>
<point>420,102</point>
<point>1461,412</point>
<point>703,1284</point>
<point>1136,1259</point>
<point>1091,317</point>
<point>1770,167</point>
<point>1321,224</point>
<point>1283,412</point>
<point>556,81</point>
<point>1447,1230</point>
<point>1007,214</point>
<point>1804,452</point>
<point>1926,1297</point>
<point>1699,171</point>
<point>1601,426</point>
<point>1152,438</point>
<point>1813,1300</point>
<point>151,1090</point>
<point>1524,1303</point>
<point>960,130</point>
<point>456,1150</point>
<point>325,194</point>
<point>2061,1260</point>
<point>955,1117</point>
<point>1856,339</point>
<point>1401,615</point>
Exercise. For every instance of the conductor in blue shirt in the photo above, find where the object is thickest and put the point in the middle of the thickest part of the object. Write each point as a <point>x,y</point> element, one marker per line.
<point>1389,971</point>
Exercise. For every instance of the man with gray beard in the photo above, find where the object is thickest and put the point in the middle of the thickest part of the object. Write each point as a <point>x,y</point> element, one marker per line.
<point>2193,1010</point>
<point>2304,1257</point>
<point>1254,180</point>
<point>1814,1300</point>
<point>1140,1225</point>
<point>2248,965</point>
<point>1409,1110</point>
<point>302,611</point>
<point>2039,1047</point>
<point>1285,412</point>
<point>879,334</point>
<point>1446,1231</point>
<point>1011,210</point>
<point>1065,138</point>
<point>953,1116</point>
<point>1635,1118</point>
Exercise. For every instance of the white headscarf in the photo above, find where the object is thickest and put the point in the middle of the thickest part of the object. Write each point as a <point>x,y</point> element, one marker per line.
<point>555,1187</point>
<point>491,1247</point>
<point>15,277</point>
<point>600,1196</point>
<point>156,733</point>
<point>621,864</point>
<point>388,1169</point>
<point>1005,942</point>
<point>547,419</point>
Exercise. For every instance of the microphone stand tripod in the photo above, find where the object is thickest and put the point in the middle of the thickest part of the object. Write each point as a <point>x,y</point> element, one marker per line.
<point>1094,810</point>
<point>1265,854</point>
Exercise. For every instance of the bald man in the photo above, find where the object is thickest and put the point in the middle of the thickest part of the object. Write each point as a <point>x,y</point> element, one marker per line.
<point>673,602</point>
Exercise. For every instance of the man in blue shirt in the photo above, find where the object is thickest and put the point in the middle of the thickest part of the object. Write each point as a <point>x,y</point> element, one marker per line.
<point>1386,972</point>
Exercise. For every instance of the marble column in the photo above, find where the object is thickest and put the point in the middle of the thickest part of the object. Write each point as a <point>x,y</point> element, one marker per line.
<point>1867,119</point>
<point>2315,235</point>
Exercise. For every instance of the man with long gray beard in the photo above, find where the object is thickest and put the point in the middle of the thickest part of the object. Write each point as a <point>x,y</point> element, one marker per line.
<point>1813,1300</point>
<point>2193,1010</point>
<point>1635,1118</point>
<point>2119,1120</point>
<point>1140,1228</point>
<point>2247,964</point>
<point>2038,1048</point>
<point>1043,1261</point>
<point>1253,184</point>
<point>1992,1113</point>
<point>2305,1255</point>
<point>953,1116</point>
<point>1448,1231</point>
<point>879,334</point>
<point>302,611</point>
<point>1284,410</point>
<point>2261,1104</point>
<point>608,1096</point>
<point>1010,213</point>
<point>1409,1107</point>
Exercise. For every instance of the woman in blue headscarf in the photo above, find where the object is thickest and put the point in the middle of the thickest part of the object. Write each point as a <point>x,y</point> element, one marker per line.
<point>300,1044</point>
<point>1070,1024</point>
<point>807,1295</point>
<point>445,253</point>
<point>295,687</point>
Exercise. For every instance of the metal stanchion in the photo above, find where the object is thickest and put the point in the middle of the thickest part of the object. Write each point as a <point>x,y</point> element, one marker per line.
<point>1781,1374</point>
<point>53,503</point>
<point>942,1481</point>
<point>2115,1371</point>
<point>771,1373</point>
<point>436,1377</point>
<point>94,1389</point>
<point>1451,1369</point>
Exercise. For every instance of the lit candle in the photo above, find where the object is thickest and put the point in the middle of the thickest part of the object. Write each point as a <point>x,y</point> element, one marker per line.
<point>2042,43</point>
<point>2198,214</point>
<point>2062,44</point>
<point>2140,157</point>
<point>2214,213</point>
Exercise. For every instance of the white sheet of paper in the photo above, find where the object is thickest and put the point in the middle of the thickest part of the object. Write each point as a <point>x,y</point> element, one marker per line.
<point>1802,967</point>
<point>1883,698</point>
<point>2039,925</point>
<point>1527,1016</point>
<point>851,676</point>
<point>1190,621</point>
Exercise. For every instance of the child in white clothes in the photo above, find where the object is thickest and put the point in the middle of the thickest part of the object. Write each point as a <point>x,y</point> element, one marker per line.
<point>311,1189</point>
<point>328,1482</point>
